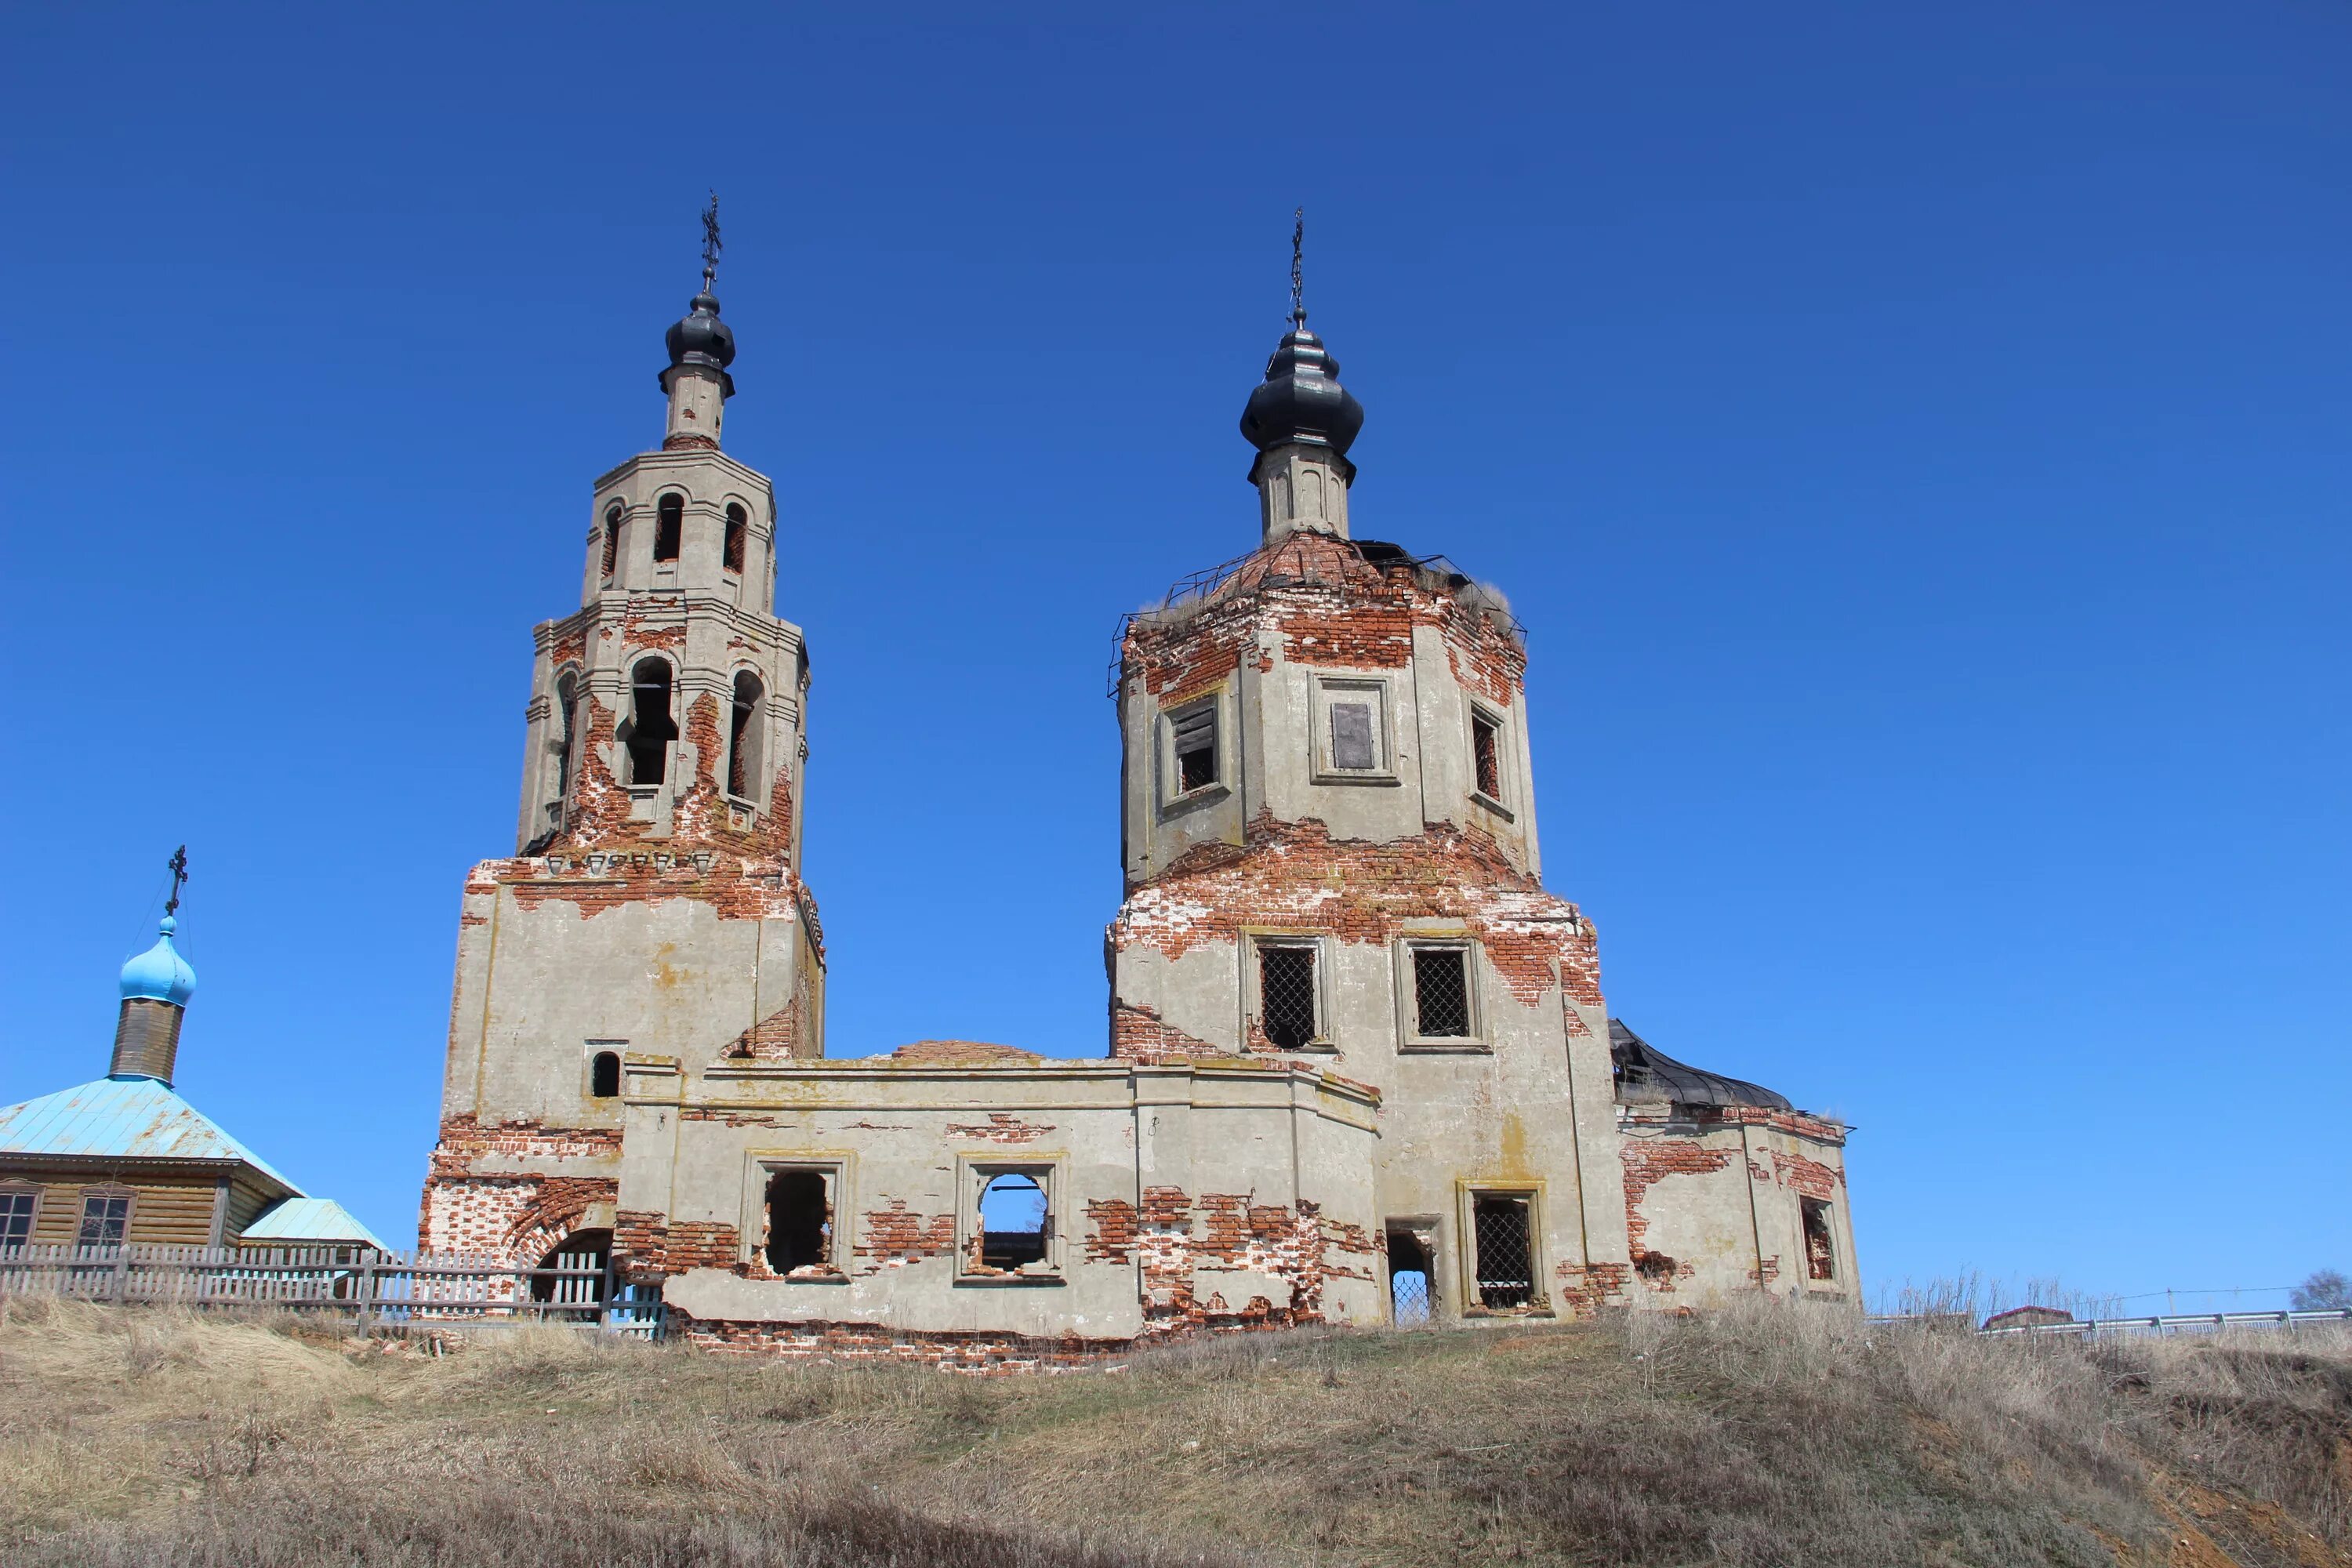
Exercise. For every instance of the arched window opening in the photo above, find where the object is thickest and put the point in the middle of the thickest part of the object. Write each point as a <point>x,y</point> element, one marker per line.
<point>739,528</point>
<point>651,727</point>
<point>573,1272</point>
<point>744,737</point>
<point>612,539</point>
<point>1012,1222</point>
<point>669,526</point>
<point>800,1221</point>
<point>567,730</point>
<point>605,1074</point>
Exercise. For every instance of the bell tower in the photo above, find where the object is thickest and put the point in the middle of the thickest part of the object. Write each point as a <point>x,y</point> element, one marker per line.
<point>654,907</point>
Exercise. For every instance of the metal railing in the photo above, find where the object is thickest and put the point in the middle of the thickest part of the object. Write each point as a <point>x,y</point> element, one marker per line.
<point>377,1288</point>
<point>2161,1323</point>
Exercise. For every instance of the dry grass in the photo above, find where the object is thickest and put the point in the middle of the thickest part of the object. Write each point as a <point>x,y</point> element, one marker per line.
<point>1754,1437</point>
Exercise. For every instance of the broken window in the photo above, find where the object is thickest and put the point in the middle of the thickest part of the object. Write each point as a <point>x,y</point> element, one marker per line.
<point>105,1219</point>
<point>1352,736</point>
<point>1285,986</point>
<point>800,1221</point>
<point>670,527</point>
<point>1485,754</point>
<point>650,726</point>
<point>1820,1253</point>
<point>612,539</point>
<point>744,737</point>
<point>567,725</point>
<point>1441,993</point>
<point>17,1207</point>
<point>1504,1238</point>
<point>1014,1222</point>
<point>739,528</point>
<point>1411,1297</point>
<point>1195,744</point>
<point>605,1074</point>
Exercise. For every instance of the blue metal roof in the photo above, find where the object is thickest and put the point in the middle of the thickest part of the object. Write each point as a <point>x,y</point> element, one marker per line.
<point>122,1119</point>
<point>310,1219</point>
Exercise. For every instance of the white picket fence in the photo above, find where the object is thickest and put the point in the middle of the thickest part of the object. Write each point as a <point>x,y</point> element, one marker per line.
<point>377,1288</point>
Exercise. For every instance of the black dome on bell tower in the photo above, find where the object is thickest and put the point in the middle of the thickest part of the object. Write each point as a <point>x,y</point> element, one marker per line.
<point>701,338</point>
<point>1301,398</point>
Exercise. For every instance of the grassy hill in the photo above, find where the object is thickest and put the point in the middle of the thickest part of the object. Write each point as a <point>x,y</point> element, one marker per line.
<point>1758,1438</point>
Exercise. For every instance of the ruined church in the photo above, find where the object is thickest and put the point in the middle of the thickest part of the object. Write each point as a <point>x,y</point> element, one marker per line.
<point>1359,1068</point>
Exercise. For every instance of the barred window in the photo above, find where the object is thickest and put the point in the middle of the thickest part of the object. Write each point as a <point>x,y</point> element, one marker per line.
<point>1505,1240</point>
<point>1440,991</point>
<point>1285,982</point>
<point>105,1218</point>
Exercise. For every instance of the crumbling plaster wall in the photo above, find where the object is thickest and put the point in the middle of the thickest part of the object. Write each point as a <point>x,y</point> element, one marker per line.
<point>1184,1196</point>
<point>1712,1202</point>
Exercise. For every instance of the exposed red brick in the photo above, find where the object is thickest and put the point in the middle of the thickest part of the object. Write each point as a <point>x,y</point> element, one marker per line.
<point>895,1235</point>
<point>1001,1127</point>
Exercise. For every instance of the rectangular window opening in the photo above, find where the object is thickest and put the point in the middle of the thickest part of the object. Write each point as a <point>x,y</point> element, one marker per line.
<point>799,1222</point>
<point>1196,748</point>
<point>1441,993</point>
<point>105,1218</point>
<point>16,1218</point>
<point>1352,736</point>
<point>1820,1253</point>
<point>1285,984</point>
<point>1015,1221</point>
<point>1505,1248</point>
<point>1486,752</point>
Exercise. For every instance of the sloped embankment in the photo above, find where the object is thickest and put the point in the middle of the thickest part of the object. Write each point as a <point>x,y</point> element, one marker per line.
<point>1756,1437</point>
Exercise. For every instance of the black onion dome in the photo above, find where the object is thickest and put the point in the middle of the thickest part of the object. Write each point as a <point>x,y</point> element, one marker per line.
<point>1301,398</point>
<point>701,338</point>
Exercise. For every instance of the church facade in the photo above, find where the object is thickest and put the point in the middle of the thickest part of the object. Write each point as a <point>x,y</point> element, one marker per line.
<point>1359,1070</point>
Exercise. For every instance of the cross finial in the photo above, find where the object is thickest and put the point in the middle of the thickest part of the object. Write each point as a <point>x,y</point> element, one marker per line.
<point>710,241</point>
<point>179,878</point>
<point>1297,268</point>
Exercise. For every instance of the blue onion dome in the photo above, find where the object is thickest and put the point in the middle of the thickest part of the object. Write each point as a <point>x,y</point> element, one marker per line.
<point>160,973</point>
<point>702,339</point>
<point>1301,398</point>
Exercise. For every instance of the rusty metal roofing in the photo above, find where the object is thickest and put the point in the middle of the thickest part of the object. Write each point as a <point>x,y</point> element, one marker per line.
<point>310,1219</point>
<point>122,1118</point>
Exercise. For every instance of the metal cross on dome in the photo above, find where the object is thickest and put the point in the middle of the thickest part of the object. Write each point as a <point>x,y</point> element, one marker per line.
<point>179,878</point>
<point>711,244</point>
<point>1297,266</point>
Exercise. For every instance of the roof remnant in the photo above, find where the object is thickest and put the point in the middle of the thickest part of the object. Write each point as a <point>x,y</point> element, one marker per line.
<point>1645,1072</point>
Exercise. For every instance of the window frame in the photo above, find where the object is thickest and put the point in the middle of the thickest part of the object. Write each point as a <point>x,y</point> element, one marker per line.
<point>1172,791</point>
<point>973,1172</point>
<point>1498,802</point>
<point>1330,690</point>
<point>1255,940</point>
<point>1539,1302</point>
<point>34,1192</point>
<point>762,1165</point>
<point>1408,993</point>
<point>102,1193</point>
<point>1806,1207</point>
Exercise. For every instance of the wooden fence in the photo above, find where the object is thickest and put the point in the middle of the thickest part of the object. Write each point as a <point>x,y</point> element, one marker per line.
<point>378,1287</point>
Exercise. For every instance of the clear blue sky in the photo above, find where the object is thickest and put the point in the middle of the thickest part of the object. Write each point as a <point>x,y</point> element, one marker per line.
<point>1918,443</point>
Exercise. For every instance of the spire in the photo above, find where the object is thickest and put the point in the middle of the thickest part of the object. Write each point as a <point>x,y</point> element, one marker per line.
<point>155,987</point>
<point>1301,400</point>
<point>701,347</point>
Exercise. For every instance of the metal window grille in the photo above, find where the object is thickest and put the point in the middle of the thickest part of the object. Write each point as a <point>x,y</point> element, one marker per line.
<point>1485,752</point>
<point>1351,735</point>
<point>1286,982</point>
<point>1196,748</point>
<point>16,1219</point>
<point>1409,1298</point>
<point>1440,991</point>
<point>103,1220</point>
<point>1505,1267</point>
